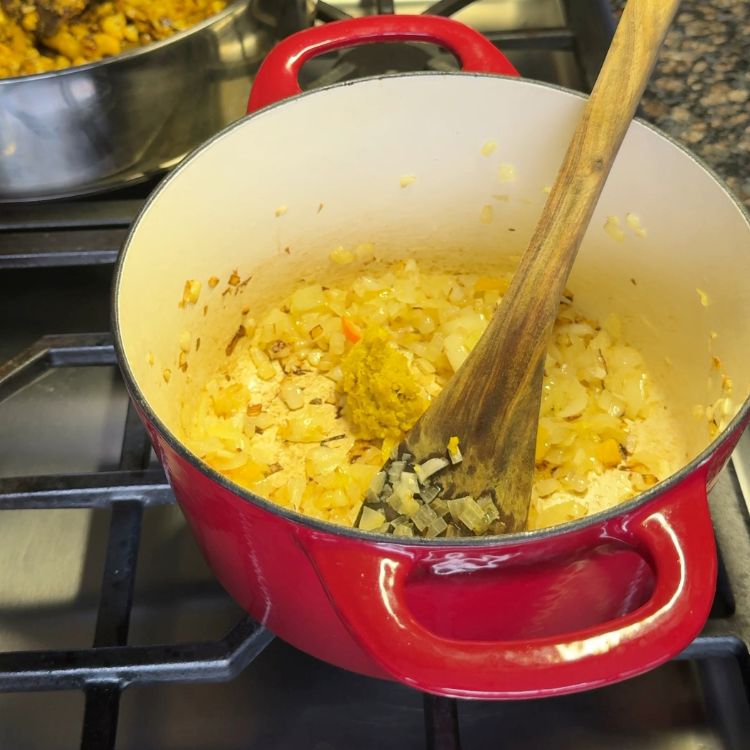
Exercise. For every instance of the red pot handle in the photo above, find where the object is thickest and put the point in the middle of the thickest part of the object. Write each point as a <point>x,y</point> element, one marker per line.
<point>367,585</point>
<point>278,76</point>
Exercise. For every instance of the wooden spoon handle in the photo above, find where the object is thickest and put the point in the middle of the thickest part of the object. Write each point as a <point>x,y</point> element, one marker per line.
<point>600,131</point>
<point>495,395</point>
<point>552,249</point>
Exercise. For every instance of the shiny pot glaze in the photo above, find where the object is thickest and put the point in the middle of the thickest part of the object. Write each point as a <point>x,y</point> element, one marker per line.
<point>527,615</point>
<point>125,118</point>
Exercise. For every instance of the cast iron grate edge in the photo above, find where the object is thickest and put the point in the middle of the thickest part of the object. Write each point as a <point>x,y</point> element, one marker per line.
<point>104,670</point>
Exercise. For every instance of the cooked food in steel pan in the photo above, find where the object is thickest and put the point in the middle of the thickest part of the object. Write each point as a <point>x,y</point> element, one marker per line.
<point>47,35</point>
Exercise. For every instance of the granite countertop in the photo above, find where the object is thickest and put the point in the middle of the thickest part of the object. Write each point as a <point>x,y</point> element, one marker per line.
<point>699,92</point>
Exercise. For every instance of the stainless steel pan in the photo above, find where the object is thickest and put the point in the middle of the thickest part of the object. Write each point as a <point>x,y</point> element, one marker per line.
<point>121,119</point>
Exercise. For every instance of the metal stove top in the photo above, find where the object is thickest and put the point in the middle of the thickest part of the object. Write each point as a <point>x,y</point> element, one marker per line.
<point>93,552</point>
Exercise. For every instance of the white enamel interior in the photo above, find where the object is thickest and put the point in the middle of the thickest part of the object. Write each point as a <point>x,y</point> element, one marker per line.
<point>347,147</point>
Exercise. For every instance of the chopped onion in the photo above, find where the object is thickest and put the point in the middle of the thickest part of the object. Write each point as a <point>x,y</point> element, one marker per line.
<point>430,467</point>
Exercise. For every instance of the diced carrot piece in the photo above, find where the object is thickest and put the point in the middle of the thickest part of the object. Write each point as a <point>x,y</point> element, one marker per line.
<point>351,330</point>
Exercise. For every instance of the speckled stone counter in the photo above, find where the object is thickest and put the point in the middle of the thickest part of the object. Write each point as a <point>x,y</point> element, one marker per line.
<point>700,90</point>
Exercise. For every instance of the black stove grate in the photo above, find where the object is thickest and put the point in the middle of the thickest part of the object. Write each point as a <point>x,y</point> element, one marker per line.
<point>104,670</point>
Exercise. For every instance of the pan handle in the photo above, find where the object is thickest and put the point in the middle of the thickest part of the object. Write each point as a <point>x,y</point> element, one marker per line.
<point>367,584</point>
<point>277,77</point>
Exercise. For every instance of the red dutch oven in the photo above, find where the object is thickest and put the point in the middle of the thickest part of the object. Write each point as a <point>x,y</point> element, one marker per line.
<point>533,614</point>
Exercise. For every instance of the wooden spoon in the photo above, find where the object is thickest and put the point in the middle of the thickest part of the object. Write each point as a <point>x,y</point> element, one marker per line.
<point>492,402</point>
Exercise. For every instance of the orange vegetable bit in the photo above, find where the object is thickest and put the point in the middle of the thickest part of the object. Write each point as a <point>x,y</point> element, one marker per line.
<point>351,330</point>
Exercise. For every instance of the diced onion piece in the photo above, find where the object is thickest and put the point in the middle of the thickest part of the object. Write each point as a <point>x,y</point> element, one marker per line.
<point>302,429</point>
<point>473,517</point>
<point>455,506</point>
<point>191,292</point>
<point>292,395</point>
<point>185,340</point>
<point>613,229</point>
<point>266,371</point>
<point>307,298</point>
<point>455,350</point>
<point>488,508</point>
<point>341,256</point>
<point>395,469</point>
<point>440,507</point>
<point>378,482</point>
<point>424,517</point>
<point>403,530</point>
<point>231,399</point>
<point>430,467</point>
<point>635,224</point>
<point>402,501</point>
<point>436,527</point>
<point>371,519</point>
<point>576,397</point>
<point>408,480</point>
<point>488,147</point>
<point>429,492</point>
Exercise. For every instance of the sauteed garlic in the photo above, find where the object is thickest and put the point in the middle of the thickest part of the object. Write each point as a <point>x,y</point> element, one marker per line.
<point>292,411</point>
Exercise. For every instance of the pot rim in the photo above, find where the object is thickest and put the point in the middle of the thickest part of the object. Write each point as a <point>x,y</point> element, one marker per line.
<point>350,532</point>
<point>232,7</point>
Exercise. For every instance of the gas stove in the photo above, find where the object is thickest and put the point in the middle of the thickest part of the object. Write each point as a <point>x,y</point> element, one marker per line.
<point>113,632</point>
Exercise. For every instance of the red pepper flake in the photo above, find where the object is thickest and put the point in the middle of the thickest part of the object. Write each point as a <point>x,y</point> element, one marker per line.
<point>234,279</point>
